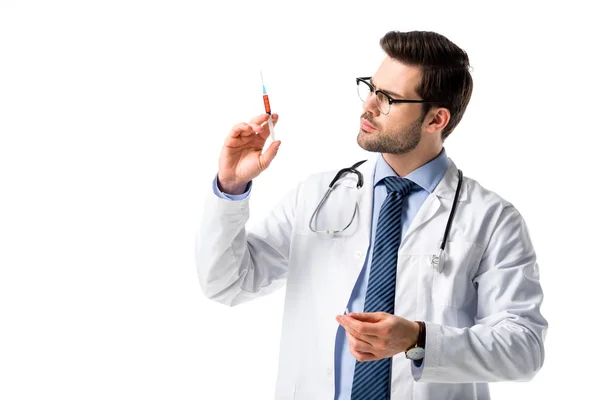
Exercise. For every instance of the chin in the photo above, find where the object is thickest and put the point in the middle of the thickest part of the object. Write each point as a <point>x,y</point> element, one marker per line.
<point>363,141</point>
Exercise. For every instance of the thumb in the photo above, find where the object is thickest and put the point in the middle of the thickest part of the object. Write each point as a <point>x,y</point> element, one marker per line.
<point>270,154</point>
<point>367,317</point>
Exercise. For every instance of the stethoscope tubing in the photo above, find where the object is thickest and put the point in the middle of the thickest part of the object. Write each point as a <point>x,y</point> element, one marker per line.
<point>437,261</point>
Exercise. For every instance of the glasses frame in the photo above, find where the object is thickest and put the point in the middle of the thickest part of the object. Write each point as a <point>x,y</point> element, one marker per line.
<point>391,100</point>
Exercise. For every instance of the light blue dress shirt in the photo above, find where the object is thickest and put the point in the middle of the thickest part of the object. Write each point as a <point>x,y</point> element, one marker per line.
<point>426,178</point>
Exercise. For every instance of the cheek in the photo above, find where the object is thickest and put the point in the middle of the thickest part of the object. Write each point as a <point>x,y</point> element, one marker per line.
<point>398,120</point>
<point>389,124</point>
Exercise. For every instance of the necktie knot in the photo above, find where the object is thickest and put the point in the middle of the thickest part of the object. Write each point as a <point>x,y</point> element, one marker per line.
<point>396,184</point>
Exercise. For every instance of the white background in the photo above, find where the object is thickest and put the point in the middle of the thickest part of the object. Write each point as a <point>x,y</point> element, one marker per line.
<point>112,117</point>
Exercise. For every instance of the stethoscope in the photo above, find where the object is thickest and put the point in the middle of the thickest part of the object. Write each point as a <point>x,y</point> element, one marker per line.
<point>437,260</point>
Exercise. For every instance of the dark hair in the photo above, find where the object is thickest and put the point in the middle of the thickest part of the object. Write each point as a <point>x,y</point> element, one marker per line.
<point>444,66</point>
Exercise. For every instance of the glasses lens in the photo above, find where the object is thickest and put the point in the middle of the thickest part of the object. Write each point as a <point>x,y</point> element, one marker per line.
<point>363,91</point>
<point>383,103</point>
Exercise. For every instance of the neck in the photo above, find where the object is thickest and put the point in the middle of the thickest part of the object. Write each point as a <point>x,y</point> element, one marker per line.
<point>404,164</point>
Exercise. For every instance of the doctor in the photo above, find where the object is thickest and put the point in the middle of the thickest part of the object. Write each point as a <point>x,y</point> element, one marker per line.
<point>439,274</point>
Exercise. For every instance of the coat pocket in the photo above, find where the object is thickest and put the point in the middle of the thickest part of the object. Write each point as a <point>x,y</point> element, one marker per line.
<point>453,286</point>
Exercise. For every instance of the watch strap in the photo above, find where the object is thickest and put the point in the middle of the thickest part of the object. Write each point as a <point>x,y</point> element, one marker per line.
<point>421,339</point>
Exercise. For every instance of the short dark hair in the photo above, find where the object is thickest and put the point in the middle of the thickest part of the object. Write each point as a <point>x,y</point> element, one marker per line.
<point>444,66</point>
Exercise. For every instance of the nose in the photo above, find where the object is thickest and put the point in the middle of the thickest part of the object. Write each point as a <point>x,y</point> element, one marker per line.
<point>370,105</point>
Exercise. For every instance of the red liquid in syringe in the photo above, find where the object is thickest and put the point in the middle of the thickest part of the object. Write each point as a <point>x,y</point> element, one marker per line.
<point>267,105</point>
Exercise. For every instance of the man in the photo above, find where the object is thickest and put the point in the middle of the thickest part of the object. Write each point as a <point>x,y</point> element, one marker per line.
<point>425,323</point>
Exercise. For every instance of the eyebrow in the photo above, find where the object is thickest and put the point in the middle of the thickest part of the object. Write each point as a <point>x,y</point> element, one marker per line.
<point>387,91</point>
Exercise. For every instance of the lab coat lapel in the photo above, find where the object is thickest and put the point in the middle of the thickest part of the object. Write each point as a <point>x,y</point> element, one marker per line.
<point>425,213</point>
<point>365,203</point>
<point>356,246</point>
<point>446,190</point>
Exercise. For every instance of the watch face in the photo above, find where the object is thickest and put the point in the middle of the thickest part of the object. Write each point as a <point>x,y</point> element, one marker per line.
<point>416,353</point>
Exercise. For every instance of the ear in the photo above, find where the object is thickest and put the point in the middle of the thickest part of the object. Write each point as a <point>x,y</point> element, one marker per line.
<point>437,119</point>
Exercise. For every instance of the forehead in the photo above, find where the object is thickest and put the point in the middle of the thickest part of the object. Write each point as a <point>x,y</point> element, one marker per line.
<point>397,77</point>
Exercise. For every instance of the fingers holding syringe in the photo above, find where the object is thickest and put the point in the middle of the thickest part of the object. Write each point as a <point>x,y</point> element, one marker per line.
<point>264,134</point>
<point>259,119</point>
<point>256,125</point>
<point>241,129</point>
<point>244,129</point>
<point>267,156</point>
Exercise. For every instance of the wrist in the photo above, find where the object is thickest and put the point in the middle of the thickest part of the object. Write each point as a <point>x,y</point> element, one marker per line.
<point>231,188</point>
<point>414,338</point>
<point>417,351</point>
<point>417,337</point>
<point>422,333</point>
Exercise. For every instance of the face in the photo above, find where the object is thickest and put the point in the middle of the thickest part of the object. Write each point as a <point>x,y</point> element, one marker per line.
<point>399,131</point>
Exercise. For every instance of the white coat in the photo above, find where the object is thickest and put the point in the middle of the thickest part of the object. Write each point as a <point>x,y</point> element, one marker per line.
<point>482,312</point>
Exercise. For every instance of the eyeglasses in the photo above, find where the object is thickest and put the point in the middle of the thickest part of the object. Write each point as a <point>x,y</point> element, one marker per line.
<point>384,100</point>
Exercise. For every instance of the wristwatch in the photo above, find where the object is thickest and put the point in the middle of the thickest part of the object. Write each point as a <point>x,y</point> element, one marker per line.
<point>417,352</point>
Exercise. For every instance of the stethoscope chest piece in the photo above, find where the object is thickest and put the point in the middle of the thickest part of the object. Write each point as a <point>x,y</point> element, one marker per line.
<point>438,260</point>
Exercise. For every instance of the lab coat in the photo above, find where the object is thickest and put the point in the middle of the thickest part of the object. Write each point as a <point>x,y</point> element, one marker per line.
<point>482,312</point>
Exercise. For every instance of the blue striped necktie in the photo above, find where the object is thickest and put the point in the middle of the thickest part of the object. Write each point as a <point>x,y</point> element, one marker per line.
<point>372,378</point>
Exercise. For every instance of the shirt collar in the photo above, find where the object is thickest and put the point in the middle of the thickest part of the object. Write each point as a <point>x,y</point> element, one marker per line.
<point>426,176</point>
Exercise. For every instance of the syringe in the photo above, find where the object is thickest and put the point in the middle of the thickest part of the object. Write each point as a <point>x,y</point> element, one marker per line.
<point>268,108</point>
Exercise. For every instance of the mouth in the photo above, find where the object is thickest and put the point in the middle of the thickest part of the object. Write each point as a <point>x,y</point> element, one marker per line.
<point>366,126</point>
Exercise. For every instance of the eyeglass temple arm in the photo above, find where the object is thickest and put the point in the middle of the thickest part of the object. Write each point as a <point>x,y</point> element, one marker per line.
<point>410,101</point>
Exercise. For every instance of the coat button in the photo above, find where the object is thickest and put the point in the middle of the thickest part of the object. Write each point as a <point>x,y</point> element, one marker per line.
<point>329,372</point>
<point>358,253</point>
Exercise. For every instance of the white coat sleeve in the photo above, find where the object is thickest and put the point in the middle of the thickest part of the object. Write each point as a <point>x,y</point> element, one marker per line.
<point>236,265</point>
<point>506,343</point>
